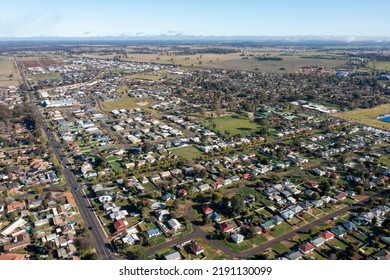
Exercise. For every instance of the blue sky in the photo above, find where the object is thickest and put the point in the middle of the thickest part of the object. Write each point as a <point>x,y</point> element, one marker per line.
<point>82,18</point>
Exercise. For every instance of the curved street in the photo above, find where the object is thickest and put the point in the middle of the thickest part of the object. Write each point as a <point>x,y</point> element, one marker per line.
<point>199,233</point>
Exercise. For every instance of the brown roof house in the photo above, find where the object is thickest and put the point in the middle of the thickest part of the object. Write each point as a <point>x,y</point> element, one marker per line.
<point>16,206</point>
<point>21,242</point>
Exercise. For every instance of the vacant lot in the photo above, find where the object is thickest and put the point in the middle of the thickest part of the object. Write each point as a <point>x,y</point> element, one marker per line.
<point>367,116</point>
<point>126,103</point>
<point>379,65</point>
<point>144,77</point>
<point>9,75</point>
<point>46,76</point>
<point>232,125</point>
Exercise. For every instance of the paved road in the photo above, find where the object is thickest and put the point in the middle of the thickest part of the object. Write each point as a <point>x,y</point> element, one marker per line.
<point>118,136</point>
<point>102,246</point>
<point>98,238</point>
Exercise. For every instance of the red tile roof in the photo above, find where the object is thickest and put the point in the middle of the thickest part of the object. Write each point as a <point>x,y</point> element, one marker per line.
<point>225,227</point>
<point>327,235</point>
<point>306,247</point>
<point>196,248</point>
<point>207,210</point>
<point>119,225</point>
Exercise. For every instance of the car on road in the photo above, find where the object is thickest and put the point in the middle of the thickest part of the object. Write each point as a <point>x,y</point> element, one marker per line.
<point>90,227</point>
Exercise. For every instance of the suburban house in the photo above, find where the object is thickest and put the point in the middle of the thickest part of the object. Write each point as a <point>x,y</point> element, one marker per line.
<point>327,235</point>
<point>295,255</point>
<point>317,241</point>
<point>153,232</point>
<point>225,227</point>
<point>173,256</point>
<point>196,248</point>
<point>20,242</point>
<point>130,239</point>
<point>174,224</point>
<point>237,238</point>
<point>306,247</point>
<point>162,215</point>
<point>16,206</point>
<point>207,210</point>
<point>119,225</point>
<point>338,231</point>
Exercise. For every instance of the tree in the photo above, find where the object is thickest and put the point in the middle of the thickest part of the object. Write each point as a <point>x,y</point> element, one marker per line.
<point>202,173</point>
<point>359,189</point>
<point>147,147</point>
<point>351,250</point>
<point>316,196</point>
<point>136,254</point>
<point>91,256</point>
<point>238,204</point>
<point>217,197</point>
<point>325,186</point>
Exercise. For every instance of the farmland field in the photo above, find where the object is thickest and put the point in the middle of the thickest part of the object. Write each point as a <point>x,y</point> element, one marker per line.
<point>367,116</point>
<point>9,75</point>
<point>379,65</point>
<point>233,61</point>
<point>233,124</point>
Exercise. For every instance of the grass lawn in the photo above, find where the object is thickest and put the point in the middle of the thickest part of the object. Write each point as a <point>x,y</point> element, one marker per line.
<point>380,65</point>
<point>116,165</point>
<point>314,256</point>
<point>144,77</point>
<point>353,240</point>
<point>361,236</point>
<point>234,124</point>
<point>126,103</point>
<point>294,221</point>
<point>154,241</point>
<point>337,243</point>
<point>349,200</point>
<point>280,249</point>
<point>367,116</point>
<point>211,252</point>
<point>264,212</point>
<point>368,250</point>
<point>238,248</point>
<point>259,239</point>
<point>197,214</point>
<point>308,217</point>
<point>280,229</point>
<point>308,235</point>
<point>315,211</point>
<point>9,75</point>
<point>47,76</point>
<point>189,152</point>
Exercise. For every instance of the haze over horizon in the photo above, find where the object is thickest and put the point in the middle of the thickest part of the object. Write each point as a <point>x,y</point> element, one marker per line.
<point>350,20</point>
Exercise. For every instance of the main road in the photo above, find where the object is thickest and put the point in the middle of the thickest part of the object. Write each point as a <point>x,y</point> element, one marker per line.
<point>102,246</point>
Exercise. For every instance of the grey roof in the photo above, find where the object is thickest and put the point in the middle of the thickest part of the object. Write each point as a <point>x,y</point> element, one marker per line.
<point>295,255</point>
<point>172,256</point>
